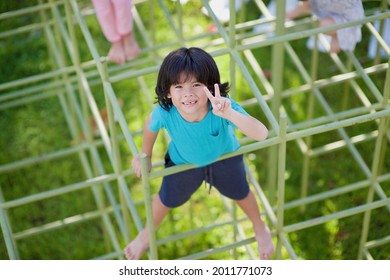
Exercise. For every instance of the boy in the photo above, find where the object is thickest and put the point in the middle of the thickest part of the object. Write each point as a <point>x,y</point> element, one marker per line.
<point>200,125</point>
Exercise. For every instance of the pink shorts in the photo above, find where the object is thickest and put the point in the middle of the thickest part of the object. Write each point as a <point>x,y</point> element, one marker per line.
<point>115,18</point>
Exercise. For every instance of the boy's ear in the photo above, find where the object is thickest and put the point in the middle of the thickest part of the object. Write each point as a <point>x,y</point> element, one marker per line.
<point>169,95</point>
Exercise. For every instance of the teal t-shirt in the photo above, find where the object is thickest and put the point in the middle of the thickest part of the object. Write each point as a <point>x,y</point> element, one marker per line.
<point>198,143</point>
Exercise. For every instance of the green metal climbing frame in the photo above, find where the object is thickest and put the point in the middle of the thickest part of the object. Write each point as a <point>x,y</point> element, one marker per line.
<point>63,24</point>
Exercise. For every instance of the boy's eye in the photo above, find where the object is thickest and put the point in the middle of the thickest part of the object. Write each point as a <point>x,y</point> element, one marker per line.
<point>178,86</point>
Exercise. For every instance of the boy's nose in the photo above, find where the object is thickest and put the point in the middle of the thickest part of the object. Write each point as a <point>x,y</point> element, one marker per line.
<point>188,93</point>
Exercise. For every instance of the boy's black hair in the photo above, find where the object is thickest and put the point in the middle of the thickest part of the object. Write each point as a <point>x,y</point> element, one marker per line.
<point>190,62</point>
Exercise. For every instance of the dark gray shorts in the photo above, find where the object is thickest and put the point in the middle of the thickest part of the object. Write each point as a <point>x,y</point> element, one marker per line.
<point>227,176</point>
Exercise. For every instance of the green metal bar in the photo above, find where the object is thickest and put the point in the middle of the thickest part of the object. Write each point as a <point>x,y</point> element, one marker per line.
<point>24,11</point>
<point>121,120</point>
<point>379,146</point>
<point>116,152</point>
<point>342,143</point>
<point>59,191</point>
<point>29,99</point>
<point>238,231</point>
<point>339,191</point>
<point>336,117</point>
<point>310,113</point>
<point>96,190</point>
<point>334,80</point>
<point>148,207</point>
<point>307,33</point>
<point>337,215</point>
<point>272,141</point>
<point>375,243</point>
<point>271,215</point>
<point>264,106</point>
<point>232,46</point>
<point>56,225</point>
<point>342,132</point>
<point>171,21</point>
<point>281,183</point>
<point>365,77</point>
<point>6,228</point>
<point>232,74</point>
<point>277,84</point>
<point>204,229</point>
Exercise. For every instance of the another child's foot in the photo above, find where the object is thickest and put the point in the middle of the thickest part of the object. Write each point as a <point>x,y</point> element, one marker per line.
<point>136,248</point>
<point>131,48</point>
<point>116,53</point>
<point>264,240</point>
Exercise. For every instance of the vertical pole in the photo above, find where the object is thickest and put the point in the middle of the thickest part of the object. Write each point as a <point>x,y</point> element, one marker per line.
<point>76,62</point>
<point>232,46</point>
<point>277,84</point>
<point>148,207</point>
<point>385,100</point>
<point>281,184</point>
<point>59,59</point>
<point>310,113</point>
<point>383,8</point>
<point>117,162</point>
<point>232,68</point>
<point>5,225</point>
<point>376,165</point>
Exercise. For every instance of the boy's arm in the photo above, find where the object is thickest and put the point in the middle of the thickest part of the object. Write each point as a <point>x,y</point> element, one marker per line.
<point>248,125</point>
<point>148,140</point>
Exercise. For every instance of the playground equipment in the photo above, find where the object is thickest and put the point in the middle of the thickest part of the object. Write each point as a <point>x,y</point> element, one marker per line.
<point>361,101</point>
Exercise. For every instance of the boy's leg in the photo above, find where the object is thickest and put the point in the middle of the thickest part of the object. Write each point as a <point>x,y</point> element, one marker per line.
<point>229,177</point>
<point>136,248</point>
<point>175,190</point>
<point>262,232</point>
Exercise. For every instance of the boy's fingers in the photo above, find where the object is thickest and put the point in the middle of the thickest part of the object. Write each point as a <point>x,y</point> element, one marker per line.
<point>208,93</point>
<point>216,90</point>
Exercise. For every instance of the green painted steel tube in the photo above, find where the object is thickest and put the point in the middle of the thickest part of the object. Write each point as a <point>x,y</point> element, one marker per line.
<point>148,207</point>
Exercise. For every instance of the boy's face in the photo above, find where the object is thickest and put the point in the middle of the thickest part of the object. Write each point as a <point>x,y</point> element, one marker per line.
<point>190,99</point>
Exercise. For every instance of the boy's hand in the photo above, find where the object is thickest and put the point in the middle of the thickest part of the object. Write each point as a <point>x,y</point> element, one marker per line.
<point>221,105</point>
<point>136,163</point>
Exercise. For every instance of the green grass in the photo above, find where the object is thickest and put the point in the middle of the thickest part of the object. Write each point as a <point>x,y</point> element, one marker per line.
<point>40,127</point>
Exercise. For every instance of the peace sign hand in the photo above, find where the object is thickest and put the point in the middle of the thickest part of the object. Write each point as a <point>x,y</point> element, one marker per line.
<point>221,105</point>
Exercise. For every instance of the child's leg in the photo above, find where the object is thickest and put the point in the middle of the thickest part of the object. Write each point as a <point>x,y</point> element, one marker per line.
<point>117,53</point>
<point>136,248</point>
<point>124,17</point>
<point>334,44</point>
<point>130,45</point>
<point>303,8</point>
<point>106,16</point>
<point>262,232</point>
<point>124,25</point>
